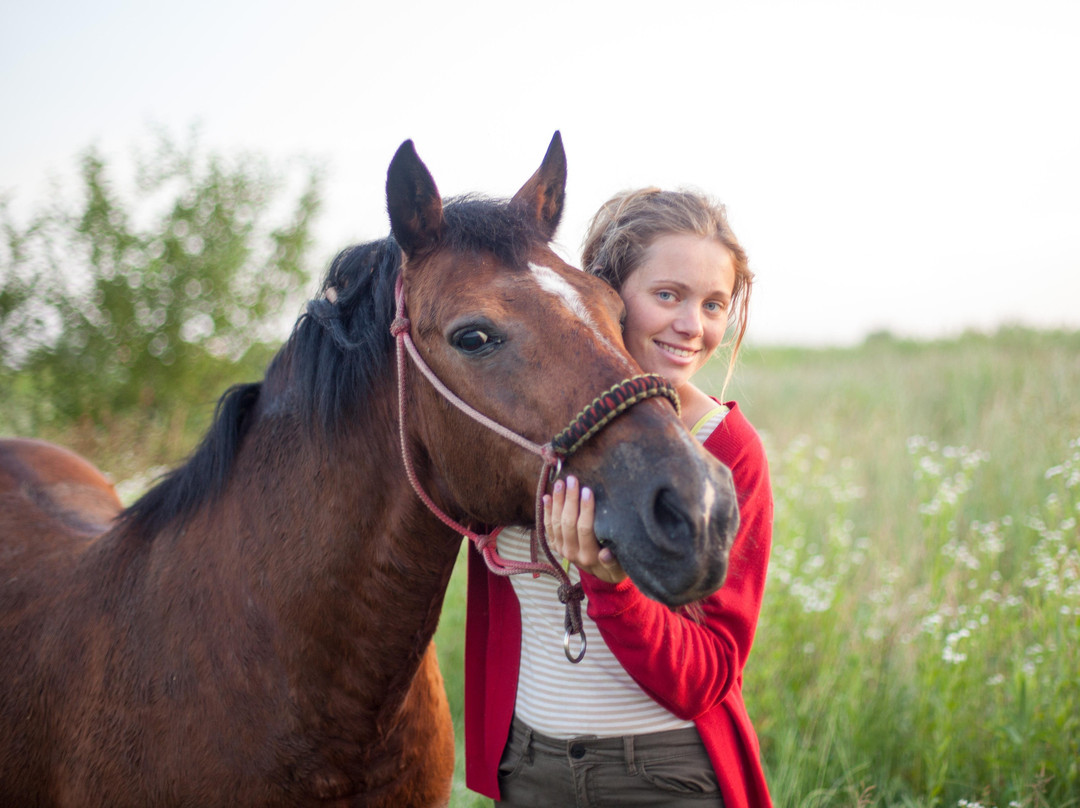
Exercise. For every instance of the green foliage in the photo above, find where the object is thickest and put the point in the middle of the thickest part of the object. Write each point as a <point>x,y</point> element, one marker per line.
<point>101,316</point>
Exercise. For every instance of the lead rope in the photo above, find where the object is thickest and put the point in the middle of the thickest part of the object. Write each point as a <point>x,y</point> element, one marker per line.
<point>570,594</point>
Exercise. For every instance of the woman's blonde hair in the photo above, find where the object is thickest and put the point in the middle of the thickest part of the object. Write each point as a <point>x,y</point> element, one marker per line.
<point>628,223</point>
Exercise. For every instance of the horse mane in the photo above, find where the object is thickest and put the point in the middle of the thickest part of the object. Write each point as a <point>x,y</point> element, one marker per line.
<point>338,348</point>
<point>181,490</point>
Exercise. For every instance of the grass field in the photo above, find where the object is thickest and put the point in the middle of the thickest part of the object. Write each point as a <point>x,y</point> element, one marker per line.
<point>919,643</point>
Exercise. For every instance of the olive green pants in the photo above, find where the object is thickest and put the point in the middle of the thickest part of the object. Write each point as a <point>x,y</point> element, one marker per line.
<point>661,769</point>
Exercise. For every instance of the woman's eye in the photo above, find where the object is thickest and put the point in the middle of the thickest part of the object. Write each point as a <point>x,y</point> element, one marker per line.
<point>665,296</point>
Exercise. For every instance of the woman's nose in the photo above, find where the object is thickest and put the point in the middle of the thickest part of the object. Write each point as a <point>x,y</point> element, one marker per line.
<point>688,323</point>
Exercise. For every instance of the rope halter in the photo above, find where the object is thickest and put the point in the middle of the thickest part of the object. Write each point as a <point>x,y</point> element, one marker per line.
<point>588,422</point>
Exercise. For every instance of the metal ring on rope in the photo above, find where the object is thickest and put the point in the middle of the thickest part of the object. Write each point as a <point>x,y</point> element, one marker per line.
<point>566,647</point>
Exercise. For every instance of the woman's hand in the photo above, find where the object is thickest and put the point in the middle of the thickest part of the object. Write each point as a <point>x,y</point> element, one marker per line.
<point>569,512</point>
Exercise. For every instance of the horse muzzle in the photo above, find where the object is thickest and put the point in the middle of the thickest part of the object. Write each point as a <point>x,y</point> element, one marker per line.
<point>674,538</point>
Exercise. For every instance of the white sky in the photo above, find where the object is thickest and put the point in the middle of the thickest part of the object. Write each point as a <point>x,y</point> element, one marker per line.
<point>910,164</point>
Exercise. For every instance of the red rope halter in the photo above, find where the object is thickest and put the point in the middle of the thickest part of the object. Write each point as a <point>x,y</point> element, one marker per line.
<point>590,420</point>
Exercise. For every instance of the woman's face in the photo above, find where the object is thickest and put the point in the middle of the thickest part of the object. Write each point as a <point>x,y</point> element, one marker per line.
<point>677,304</point>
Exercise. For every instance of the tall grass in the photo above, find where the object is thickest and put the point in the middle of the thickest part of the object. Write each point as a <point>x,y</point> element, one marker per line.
<point>919,643</point>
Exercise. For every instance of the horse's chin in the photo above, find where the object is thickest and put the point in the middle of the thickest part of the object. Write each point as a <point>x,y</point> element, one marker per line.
<point>681,587</point>
<point>671,580</point>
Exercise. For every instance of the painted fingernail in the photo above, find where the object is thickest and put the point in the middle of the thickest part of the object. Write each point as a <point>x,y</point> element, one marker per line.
<point>571,482</point>
<point>558,487</point>
<point>586,493</point>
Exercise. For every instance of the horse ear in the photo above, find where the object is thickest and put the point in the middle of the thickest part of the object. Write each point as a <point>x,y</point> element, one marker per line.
<point>543,194</point>
<point>413,201</point>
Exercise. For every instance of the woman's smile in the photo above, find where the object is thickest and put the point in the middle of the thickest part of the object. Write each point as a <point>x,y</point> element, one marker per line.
<point>674,350</point>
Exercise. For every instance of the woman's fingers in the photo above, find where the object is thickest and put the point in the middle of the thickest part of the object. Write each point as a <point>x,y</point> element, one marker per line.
<point>569,513</point>
<point>553,509</point>
<point>568,521</point>
<point>579,537</point>
<point>584,523</point>
<point>549,526</point>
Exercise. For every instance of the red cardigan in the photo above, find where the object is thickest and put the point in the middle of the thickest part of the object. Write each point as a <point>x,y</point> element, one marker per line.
<point>693,669</point>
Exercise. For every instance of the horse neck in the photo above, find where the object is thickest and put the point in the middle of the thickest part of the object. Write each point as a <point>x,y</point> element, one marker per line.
<point>357,567</point>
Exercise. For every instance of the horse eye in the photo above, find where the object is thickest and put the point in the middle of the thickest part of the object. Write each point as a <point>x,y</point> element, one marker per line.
<point>473,340</point>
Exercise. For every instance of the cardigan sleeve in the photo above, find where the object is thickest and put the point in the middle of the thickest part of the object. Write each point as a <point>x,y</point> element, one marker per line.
<point>689,662</point>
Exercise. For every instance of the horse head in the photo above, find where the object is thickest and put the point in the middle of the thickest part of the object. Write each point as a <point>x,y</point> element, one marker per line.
<point>493,311</point>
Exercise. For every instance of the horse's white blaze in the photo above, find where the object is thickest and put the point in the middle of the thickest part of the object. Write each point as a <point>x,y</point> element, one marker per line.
<point>708,497</point>
<point>550,281</point>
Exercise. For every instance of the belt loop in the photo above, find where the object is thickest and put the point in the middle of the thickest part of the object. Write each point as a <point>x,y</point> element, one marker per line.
<point>628,753</point>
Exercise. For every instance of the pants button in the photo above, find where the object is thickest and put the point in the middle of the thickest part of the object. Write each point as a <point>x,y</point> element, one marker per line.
<point>577,751</point>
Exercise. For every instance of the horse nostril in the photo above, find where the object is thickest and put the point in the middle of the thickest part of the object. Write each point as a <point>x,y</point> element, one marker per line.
<point>676,532</point>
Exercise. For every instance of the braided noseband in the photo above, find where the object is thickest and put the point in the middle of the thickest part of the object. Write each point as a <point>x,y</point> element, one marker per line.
<point>592,418</point>
<point>609,405</point>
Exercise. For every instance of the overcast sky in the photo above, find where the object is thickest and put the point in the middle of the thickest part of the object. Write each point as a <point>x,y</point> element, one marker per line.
<point>906,165</point>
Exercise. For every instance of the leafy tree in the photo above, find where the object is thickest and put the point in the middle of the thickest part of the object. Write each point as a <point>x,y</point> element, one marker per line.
<point>114,305</point>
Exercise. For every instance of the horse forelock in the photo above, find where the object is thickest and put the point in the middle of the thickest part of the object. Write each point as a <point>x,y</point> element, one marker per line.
<point>478,224</point>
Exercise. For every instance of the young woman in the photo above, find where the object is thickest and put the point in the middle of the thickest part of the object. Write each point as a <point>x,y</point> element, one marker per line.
<point>654,715</point>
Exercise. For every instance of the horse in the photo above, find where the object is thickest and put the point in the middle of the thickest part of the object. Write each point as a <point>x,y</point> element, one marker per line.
<point>256,629</point>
